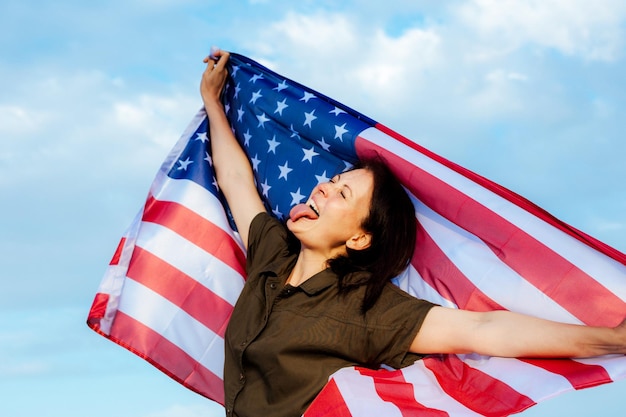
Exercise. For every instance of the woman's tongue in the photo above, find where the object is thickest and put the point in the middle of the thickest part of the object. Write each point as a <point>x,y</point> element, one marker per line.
<point>302,210</point>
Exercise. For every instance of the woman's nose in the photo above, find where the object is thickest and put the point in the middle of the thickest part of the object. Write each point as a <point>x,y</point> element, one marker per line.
<point>329,188</point>
<point>324,187</point>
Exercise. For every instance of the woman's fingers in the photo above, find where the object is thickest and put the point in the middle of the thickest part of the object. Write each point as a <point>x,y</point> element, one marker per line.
<point>216,58</point>
<point>214,76</point>
<point>222,58</point>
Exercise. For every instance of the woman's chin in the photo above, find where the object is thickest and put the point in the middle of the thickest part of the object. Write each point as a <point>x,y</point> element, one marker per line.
<point>300,225</point>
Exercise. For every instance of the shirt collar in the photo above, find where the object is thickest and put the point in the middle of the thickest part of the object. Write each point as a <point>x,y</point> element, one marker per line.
<point>319,282</point>
<point>312,286</point>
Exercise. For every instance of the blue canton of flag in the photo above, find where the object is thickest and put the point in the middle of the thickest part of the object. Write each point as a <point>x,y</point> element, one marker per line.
<point>295,137</point>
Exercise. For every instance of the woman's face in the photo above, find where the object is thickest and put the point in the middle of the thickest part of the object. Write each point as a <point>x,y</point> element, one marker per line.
<point>334,212</point>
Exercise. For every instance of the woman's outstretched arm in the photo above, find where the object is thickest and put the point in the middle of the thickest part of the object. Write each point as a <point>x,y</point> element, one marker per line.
<point>232,168</point>
<point>507,334</point>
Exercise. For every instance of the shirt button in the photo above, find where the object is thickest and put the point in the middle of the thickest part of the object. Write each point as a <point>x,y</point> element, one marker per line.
<point>273,286</point>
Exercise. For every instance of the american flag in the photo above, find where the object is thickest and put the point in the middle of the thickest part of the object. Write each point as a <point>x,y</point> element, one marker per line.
<point>170,288</point>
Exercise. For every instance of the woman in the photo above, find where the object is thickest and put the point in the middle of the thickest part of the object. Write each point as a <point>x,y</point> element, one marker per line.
<point>318,296</point>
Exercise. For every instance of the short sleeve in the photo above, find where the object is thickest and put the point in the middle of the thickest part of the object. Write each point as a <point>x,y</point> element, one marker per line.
<point>394,324</point>
<point>267,240</point>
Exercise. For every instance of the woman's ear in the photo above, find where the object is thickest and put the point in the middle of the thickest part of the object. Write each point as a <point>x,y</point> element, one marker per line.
<point>359,241</point>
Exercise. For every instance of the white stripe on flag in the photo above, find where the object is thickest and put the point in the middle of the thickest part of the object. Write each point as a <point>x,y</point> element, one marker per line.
<point>520,376</point>
<point>411,282</point>
<point>199,200</point>
<point>173,324</point>
<point>502,284</point>
<point>601,267</point>
<point>360,396</point>
<point>191,260</point>
<point>428,392</point>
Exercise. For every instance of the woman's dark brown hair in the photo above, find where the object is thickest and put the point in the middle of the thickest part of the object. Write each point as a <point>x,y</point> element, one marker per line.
<point>392,224</point>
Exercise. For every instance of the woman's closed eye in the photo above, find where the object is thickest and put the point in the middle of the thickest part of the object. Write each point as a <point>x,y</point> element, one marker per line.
<point>334,180</point>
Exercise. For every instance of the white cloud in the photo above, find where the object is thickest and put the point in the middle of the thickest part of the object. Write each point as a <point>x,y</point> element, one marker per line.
<point>154,117</point>
<point>358,62</point>
<point>17,120</point>
<point>497,94</point>
<point>592,30</point>
<point>79,121</point>
<point>316,39</point>
<point>394,61</point>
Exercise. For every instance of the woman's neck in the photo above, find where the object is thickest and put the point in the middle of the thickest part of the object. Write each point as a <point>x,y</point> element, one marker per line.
<point>307,265</point>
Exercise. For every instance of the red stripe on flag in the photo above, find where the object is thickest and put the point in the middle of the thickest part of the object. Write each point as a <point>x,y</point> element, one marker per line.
<point>97,310</point>
<point>510,196</point>
<point>392,387</point>
<point>329,402</point>
<point>474,389</point>
<point>197,230</point>
<point>166,356</point>
<point>182,290</point>
<point>539,265</point>
<point>118,252</point>
<point>579,375</point>
<point>448,280</point>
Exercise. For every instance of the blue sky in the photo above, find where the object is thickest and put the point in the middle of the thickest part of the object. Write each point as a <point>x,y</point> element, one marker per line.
<point>93,94</point>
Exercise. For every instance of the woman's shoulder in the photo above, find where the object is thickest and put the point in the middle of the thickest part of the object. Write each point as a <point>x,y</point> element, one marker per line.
<point>395,302</point>
<point>392,292</point>
<point>263,227</point>
<point>268,239</point>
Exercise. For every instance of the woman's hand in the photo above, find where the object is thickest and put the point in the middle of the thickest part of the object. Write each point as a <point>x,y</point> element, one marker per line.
<point>214,78</point>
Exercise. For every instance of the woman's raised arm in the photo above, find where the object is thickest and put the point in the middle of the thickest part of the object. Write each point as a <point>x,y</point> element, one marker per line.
<point>232,168</point>
<point>507,334</point>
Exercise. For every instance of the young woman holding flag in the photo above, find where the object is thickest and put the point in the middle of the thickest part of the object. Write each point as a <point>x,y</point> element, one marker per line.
<point>318,296</point>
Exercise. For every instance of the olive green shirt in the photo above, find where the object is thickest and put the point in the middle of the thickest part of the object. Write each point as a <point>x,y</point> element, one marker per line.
<point>283,342</point>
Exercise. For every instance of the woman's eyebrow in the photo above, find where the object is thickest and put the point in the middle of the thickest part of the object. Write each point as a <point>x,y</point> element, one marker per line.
<point>337,178</point>
<point>345,186</point>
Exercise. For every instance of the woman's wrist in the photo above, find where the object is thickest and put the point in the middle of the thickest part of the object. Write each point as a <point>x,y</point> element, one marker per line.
<point>212,104</point>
